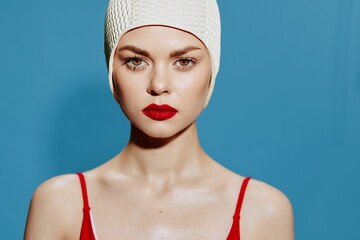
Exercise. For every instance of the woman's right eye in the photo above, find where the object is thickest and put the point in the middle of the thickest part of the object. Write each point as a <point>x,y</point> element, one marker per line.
<point>135,63</point>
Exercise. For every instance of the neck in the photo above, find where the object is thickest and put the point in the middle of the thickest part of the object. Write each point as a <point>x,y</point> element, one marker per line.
<point>167,159</point>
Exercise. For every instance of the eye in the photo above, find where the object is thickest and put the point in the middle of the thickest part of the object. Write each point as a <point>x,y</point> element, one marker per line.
<point>185,63</point>
<point>135,63</point>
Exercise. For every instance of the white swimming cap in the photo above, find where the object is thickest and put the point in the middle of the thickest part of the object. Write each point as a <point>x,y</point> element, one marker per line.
<point>198,17</point>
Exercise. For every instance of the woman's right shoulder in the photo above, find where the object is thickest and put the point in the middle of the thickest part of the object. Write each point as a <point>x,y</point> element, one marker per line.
<point>58,189</point>
<point>60,182</point>
<point>55,206</point>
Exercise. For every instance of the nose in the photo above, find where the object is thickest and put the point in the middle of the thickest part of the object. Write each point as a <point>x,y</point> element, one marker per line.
<point>159,82</point>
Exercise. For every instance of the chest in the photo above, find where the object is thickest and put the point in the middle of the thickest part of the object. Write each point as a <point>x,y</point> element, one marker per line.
<point>178,213</point>
<point>149,219</point>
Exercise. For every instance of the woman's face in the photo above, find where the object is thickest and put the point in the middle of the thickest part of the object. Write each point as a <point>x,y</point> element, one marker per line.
<point>161,79</point>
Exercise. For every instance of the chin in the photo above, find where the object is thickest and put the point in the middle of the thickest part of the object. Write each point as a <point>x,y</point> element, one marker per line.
<point>163,133</point>
<point>157,133</point>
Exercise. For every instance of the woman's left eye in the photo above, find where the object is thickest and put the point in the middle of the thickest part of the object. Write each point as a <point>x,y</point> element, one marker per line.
<point>184,63</point>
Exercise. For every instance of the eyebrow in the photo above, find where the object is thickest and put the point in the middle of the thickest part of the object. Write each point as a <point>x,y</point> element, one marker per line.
<point>178,53</point>
<point>136,50</point>
<point>173,54</point>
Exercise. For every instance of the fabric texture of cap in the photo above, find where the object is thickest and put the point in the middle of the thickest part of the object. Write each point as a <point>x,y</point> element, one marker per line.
<point>198,17</point>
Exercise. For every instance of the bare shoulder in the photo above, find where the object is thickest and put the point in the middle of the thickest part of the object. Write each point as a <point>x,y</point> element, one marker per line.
<point>271,200</point>
<point>269,212</point>
<point>58,190</point>
<point>53,207</point>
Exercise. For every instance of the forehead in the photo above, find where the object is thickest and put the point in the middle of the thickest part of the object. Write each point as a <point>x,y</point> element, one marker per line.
<point>160,37</point>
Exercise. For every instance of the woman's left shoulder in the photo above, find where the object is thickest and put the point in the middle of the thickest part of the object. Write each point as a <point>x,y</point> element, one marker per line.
<point>271,198</point>
<point>268,207</point>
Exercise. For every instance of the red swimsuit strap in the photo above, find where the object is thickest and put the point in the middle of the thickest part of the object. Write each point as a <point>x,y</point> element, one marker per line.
<point>84,190</point>
<point>234,233</point>
<point>241,196</point>
<point>86,232</point>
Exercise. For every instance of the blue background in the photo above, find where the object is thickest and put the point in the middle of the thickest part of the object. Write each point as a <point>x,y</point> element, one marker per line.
<point>286,106</point>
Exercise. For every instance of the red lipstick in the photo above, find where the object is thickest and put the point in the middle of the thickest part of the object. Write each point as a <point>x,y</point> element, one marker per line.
<point>159,112</point>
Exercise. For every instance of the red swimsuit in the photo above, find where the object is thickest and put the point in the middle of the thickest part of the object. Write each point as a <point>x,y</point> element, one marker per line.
<point>87,231</point>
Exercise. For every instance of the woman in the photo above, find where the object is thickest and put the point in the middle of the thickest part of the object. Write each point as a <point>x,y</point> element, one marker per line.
<point>163,57</point>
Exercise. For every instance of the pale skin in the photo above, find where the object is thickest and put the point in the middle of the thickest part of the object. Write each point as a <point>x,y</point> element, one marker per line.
<point>162,185</point>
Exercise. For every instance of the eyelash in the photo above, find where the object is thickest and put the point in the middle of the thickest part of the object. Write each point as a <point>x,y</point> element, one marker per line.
<point>190,65</point>
<point>131,66</point>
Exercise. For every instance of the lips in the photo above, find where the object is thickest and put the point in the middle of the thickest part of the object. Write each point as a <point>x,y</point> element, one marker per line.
<point>159,112</point>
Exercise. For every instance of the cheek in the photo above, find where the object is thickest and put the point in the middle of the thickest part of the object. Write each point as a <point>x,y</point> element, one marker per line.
<point>203,77</point>
<point>128,91</point>
<point>196,85</point>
